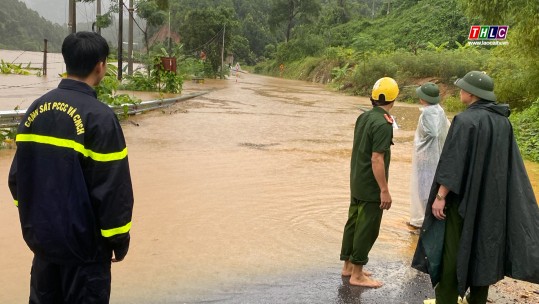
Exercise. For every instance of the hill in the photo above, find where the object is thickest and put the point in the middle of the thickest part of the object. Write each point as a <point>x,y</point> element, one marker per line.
<point>24,29</point>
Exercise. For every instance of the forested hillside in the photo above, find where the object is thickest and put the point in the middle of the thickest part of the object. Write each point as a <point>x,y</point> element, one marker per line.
<point>24,29</point>
<point>256,28</point>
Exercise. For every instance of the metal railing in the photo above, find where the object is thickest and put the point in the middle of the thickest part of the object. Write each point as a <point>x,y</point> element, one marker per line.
<point>12,118</point>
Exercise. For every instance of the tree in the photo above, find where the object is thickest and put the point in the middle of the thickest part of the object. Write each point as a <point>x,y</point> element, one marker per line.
<point>522,15</point>
<point>518,62</point>
<point>203,30</point>
<point>291,12</point>
<point>153,11</point>
<point>23,29</point>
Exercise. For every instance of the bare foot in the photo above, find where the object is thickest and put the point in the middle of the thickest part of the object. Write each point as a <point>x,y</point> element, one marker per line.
<point>365,281</point>
<point>347,269</point>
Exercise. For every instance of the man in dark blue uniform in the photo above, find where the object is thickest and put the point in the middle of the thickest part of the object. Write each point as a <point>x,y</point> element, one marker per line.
<point>70,180</point>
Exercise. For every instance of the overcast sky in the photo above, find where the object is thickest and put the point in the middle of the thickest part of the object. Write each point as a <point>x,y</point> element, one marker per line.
<point>56,10</point>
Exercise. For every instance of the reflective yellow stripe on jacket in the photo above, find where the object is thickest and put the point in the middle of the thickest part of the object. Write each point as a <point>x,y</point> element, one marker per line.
<point>115,231</point>
<point>67,143</point>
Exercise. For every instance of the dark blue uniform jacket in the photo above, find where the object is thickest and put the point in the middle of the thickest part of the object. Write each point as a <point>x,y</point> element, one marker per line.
<point>70,177</point>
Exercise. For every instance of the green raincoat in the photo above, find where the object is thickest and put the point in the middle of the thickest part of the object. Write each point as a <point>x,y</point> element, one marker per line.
<point>482,167</point>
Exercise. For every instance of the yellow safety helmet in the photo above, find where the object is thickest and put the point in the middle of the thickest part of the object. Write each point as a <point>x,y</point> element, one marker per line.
<point>385,90</point>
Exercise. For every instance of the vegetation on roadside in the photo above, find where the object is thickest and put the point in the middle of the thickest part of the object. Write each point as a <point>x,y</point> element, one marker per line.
<point>155,76</point>
<point>526,128</point>
<point>11,68</point>
<point>7,137</point>
<point>108,87</point>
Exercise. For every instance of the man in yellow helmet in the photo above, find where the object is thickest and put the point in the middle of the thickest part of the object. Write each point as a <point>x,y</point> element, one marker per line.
<point>373,135</point>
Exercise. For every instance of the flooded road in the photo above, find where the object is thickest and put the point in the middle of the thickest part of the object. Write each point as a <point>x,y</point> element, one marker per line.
<point>241,196</point>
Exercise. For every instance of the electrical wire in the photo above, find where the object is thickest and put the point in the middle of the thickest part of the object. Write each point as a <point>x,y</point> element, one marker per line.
<point>218,34</point>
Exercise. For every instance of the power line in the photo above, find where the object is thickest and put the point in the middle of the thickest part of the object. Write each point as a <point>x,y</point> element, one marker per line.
<point>207,43</point>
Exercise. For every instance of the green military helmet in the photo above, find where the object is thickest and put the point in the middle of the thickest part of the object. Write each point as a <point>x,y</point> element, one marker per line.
<point>477,83</point>
<point>429,92</point>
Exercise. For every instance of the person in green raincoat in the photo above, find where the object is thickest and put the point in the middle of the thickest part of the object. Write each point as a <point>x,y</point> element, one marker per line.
<point>482,219</point>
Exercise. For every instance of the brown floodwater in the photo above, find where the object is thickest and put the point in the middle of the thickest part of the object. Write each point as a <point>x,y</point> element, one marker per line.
<point>249,180</point>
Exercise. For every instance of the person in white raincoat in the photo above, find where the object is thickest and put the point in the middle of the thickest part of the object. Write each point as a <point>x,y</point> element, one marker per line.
<point>428,143</point>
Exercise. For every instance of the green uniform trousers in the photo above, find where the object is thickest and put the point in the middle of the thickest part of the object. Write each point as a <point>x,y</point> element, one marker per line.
<point>446,289</point>
<point>361,231</point>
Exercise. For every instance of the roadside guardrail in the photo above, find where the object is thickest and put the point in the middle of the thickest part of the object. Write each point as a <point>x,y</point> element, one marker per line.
<point>12,118</point>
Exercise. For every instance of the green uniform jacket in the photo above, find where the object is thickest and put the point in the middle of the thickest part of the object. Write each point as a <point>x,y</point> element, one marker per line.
<point>482,167</point>
<point>373,133</point>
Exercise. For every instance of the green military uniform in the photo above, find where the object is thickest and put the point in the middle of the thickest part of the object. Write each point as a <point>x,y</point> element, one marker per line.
<point>447,288</point>
<point>373,133</point>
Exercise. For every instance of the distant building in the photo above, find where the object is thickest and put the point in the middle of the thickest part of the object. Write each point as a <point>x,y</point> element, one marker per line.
<point>163,36</point>
<point>229,60</point>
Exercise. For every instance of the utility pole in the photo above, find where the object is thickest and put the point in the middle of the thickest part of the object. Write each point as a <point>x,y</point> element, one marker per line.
<point>223,54</point>
<point>72,16</point>
<point>120,37</point>
<point>98,13</point>
<point>130,41</point>
<point>45,58</point>
<point>169,49</point>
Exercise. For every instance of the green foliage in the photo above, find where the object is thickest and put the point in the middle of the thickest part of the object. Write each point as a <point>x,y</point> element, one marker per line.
<point>268,67</point>
<point>192,67</point>
<point>437,48</point>
<point>286,14</point>
<point>296,49</point>
<point>104,20</point>
<point>412,26</point>
<point>452,104</point>
<point>522,16</point>
<point>514,76</point>
<point>526,129</point>
<point>516,64</point>
<point>157,78</point>
<point>139,81</point>
<point>7,137</point>
<point>356,72</point>
<point>307,69</point>
<point>203,30</point>
<point>339,73</point>
<point>446,65</point>
<point>371,69</point>
<point>10,68</point>
<point>151,11</point>
<point>341,54</point>
<point>241,49</point>
<point>106,89</point>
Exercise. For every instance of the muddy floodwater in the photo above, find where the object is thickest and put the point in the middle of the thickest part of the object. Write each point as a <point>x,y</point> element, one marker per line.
<point>241,196</point>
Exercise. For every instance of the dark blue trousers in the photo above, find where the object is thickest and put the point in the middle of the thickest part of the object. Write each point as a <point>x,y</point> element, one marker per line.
<point>53,283</point>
